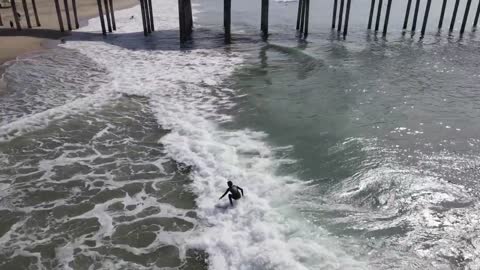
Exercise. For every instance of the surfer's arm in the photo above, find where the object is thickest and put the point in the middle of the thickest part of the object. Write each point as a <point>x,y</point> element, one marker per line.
<point>225,193</point>
<point>241,189</point>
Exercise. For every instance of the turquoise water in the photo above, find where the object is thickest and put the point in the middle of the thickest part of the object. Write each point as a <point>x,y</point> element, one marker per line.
<point>384,131</point>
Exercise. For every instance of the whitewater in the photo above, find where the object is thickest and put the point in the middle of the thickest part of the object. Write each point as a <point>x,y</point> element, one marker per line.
<point>186,93</point>
<point>353,154</point>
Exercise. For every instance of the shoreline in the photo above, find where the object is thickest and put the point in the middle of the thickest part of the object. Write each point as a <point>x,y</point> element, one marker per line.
<point>18,44</point>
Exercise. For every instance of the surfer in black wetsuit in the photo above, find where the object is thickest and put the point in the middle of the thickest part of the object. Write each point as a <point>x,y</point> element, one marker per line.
<point>234,190</point>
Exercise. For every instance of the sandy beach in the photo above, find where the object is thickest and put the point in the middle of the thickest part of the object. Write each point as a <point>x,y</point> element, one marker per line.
<point>14,43</point>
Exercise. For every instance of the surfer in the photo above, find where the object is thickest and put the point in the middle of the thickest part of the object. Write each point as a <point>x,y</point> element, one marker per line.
<point>234,190</point>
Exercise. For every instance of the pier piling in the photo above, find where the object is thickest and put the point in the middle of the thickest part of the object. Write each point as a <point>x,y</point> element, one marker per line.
<point>147,15</point>
<point>347,18</point>
<point>379,14</point>
<point>454,15</point>
<point>67,15</point>
<point>307,17</point>
<point>35,12</point>
<point>144,18</point>
<point>27,14</point>
<point>227,13</point>
<point>75,14</point>
<point>186,20</point>
<point>181,20</point>
<point>59,15</point>
<point>465,16</point>
<point>425,18</point>
<point>475,22</point>
<point>302,16</point>
<point>190,17</point>
<point>15,14</point>
<point>415,16</point>
<point>100,14</point>
<point>340,15</point>
<point>107,14</point>
<point>334,17</point>
<point>150,9</point>
<point>407,15</point>
<point>112,15</point>
<point>299,13</point>
<point>264,17</point>
<point>442,14</point>
<point>387,17</point>
<point>340,19</point>
<point>370,17</point>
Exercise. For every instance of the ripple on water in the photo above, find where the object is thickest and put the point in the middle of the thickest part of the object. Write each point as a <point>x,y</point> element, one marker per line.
<point>96,188</point>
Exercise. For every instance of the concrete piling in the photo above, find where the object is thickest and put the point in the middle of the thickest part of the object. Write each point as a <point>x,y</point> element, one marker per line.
<point>227,19</point>
<point>150,15</point>
<point>186,20</point>
<point>442,14</point>
<point>67,14</point>
<point>75,14</point>
<point>264,17</point>
<point>112,15</point>
<point>147,16</point>
<point>415,16</point>
<point>387,17</point>
<point>465,16</point>
<point>189,17</point>
<point>379,14</point>
<point>370,17</point>
<point>347,18</point>
<point>475,22</point>
<point>307,17</point>
<point>340,19</point>
<point>181,21</point>
<point>454,16</point>
<point>59,15</point>
<point>107,14</point>
<point>334,17</point>
<point>100,14</point>
<point>407,15</point>
<point>144,19</point>
<point>299,13</point>
<point>15,15</point>
<point>340,15</point>
<point>35,12</point>
<point>302,16</point>
<point>425,18</point>
<point>27,14</point>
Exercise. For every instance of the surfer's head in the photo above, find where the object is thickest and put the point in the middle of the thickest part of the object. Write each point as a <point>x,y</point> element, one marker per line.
<point>229,183</point>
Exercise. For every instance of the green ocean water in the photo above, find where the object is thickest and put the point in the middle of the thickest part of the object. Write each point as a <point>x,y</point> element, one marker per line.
<point>383,130</point>
<point>373,142</point>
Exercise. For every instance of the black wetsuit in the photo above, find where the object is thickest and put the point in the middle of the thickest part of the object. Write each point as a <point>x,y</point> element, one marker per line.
<point>234,193</point>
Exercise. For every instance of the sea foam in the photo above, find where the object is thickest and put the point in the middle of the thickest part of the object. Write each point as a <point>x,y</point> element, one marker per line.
<point>185,93</point>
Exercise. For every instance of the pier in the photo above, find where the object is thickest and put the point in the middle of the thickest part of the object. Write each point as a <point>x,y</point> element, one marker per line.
<point>377,21</point>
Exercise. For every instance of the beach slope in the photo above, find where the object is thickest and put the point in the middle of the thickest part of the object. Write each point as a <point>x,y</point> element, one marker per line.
<point>14,43</point>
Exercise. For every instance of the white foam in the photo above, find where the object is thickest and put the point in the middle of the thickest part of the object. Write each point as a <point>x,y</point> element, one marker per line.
<point>42,119</point>
<point>438,218</point>
<point>184,92</point>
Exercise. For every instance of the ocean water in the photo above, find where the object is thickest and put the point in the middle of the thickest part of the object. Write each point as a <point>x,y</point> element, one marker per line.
<point>354,154</point>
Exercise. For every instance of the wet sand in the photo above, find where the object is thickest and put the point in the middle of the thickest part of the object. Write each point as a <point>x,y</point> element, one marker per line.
<point>14,43</point>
